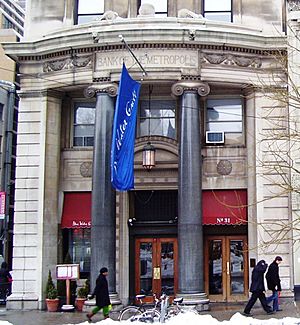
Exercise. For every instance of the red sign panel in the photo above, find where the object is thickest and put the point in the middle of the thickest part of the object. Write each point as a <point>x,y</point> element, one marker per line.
<point>2,204</point>
<point>77,210</point>
<point>224,207</point>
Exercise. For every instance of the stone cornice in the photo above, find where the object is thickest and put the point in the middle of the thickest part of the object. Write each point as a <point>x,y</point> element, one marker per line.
<point>83,60</point>
<point>101,36</point>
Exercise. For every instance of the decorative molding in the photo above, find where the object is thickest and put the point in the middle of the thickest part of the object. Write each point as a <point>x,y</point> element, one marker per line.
<point>224,167</point>
<point>115,47</point>
<point>86,169</point>
<point>230,59</point>
<point>190,77</point>
<point>110,88</point>
<point>201,88</point>
<point>101,79</point>
<point>68,63</point>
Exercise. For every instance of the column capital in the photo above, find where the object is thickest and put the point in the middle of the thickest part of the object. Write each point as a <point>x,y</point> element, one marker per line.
<point>202,88</point>
<point>110,88</point>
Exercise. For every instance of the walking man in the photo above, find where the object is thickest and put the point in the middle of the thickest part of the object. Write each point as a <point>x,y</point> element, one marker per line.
<point>273,282</point>
<point>257,288</point>
<point>102,295</point>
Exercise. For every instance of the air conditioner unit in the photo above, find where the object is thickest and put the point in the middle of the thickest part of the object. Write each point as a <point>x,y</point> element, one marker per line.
<point>214,137</point>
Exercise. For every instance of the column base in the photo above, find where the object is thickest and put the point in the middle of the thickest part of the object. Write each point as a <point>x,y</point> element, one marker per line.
<point>23,302</point>
<point>199,300</point>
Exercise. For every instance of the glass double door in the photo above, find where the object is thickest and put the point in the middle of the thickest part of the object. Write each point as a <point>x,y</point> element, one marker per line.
<point>156,266</point>
<point>226,268</point>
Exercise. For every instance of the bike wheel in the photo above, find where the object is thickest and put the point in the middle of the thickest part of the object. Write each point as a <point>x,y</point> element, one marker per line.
<point>150,316</point>
<point>172,311</point>
<point>130,313</point>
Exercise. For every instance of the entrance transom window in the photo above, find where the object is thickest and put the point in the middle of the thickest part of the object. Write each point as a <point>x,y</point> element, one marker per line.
<point>157,117</point>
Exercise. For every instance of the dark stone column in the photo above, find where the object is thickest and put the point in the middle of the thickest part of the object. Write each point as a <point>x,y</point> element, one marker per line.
<point>190,234</point>
<point>103,231</point>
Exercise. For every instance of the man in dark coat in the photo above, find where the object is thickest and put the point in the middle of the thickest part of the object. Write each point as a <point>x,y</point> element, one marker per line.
<point>102,295</point>
<point>257,288</point>
<point>273,282</point>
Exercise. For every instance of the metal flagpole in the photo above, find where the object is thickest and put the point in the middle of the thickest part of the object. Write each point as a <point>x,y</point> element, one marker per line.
<point>131,52</point>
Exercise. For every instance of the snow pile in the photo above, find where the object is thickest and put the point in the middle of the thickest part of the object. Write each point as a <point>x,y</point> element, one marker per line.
<point>192,319</point>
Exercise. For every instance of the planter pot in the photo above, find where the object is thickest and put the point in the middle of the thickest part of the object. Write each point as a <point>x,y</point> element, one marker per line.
<point>80,303</point>
<point>52,304</point>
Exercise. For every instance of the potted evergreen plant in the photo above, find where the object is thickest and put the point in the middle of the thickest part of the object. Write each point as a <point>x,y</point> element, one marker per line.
<point>82,294</point>
<point>52,301</point>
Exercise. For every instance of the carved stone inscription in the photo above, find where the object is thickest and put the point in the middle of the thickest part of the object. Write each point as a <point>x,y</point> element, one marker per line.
<point>148,58</point>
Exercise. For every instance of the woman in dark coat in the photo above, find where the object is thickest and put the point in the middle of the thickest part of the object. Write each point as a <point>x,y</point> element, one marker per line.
<point>257,288</point>
<point>102,295</point>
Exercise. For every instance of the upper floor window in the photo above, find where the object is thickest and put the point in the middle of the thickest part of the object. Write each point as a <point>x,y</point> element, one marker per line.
<point>89,10</point>
<point>84,121</point>
<point>161,6</point>
<point>220,10</point>
<point>226,115</point>
<point>157,117</point>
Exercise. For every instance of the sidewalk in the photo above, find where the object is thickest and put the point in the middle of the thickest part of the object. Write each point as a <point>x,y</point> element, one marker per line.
<point>218,311</point>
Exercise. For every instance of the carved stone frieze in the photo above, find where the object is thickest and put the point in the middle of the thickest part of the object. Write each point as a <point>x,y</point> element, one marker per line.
<point>68,63</point>
<point>110,88</point>
<point>201,88</point>
<point>229,59</point>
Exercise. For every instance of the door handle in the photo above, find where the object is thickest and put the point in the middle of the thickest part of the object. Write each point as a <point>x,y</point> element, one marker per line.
<point>156,273</point>
<point>228,268</point>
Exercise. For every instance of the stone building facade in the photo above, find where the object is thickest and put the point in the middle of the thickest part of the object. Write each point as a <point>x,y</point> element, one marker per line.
<point>194,225</point>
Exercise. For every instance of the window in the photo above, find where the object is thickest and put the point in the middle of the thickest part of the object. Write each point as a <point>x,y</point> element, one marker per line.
<point>158,119</point>
<point>161,7</point>
<point>220,10</point>
<point>7,24</point>
<point>84,120</point>
<point>89,10</point>
<point>226,115</point>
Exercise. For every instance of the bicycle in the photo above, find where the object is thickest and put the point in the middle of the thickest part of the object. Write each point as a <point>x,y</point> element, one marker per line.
<point>141,313</point>
<point>168,311</point>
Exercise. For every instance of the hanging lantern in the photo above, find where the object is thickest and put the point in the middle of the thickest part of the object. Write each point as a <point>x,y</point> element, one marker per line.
<point>148,156</point>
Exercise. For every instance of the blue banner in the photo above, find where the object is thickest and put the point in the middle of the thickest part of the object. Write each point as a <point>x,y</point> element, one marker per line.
<point>122,147</point>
